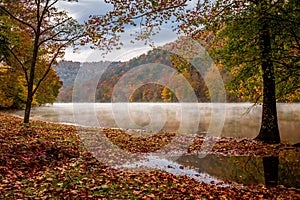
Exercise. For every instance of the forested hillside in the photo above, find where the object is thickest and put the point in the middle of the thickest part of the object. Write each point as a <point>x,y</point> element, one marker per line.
<point>150,92</point>
<point>67,71</point>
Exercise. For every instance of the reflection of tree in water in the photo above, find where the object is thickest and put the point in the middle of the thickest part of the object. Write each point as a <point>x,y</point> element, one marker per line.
<point>250,168</point>
<point>271,170</point>
<point>283,169</point>
<point>241,169</point>
<point>289,168</point>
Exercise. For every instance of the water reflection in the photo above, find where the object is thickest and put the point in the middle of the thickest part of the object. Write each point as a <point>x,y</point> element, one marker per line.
<point>283,169</point>
<point>271,170</point>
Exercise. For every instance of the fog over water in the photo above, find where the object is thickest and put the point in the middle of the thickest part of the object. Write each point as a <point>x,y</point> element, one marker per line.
<point>232,119</point>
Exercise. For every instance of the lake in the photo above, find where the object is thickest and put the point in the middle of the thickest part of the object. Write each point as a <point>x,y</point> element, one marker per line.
<point>224,119</point>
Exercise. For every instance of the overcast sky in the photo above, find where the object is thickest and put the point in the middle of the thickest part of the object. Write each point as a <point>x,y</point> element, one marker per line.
<point>83,9</point>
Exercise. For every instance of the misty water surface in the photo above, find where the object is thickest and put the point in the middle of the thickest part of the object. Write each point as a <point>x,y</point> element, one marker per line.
<point>233,119</point>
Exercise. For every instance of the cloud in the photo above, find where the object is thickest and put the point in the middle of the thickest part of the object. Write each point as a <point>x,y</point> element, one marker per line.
<point>84,8</point>
<point>128,51</point>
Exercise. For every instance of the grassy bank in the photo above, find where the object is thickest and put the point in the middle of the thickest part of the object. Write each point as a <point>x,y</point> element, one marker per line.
<point>48,161</point>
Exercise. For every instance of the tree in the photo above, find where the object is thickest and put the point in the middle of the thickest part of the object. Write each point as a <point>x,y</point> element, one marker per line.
<point>254,39</point>
<point>47,31</point>
<point>263,58</point>
<point>13,80</point>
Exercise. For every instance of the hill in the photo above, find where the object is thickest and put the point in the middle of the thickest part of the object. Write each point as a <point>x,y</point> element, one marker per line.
<point>144,86</point>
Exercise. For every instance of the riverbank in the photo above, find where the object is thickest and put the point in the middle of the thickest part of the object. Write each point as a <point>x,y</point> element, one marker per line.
<point>46,160</point>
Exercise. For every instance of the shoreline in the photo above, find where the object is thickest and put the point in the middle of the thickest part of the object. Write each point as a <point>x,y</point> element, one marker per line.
<point>198,140</point>
<point>236,124</point>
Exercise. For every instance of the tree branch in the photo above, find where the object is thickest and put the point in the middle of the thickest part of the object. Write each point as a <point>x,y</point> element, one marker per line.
<point>54,2</point>
<point>17,19</point>
<point>19,61</point>
<point>158,10</point>
<point>47,70</point>
<point>56,25</point>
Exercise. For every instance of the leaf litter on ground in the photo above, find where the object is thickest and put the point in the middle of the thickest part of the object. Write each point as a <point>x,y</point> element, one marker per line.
<point>45,161</point>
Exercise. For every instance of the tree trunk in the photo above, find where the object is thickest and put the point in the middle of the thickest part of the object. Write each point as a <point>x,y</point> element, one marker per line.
<point>30,83</point>
<point>30,89</point>
<point>28,104</point>
<point>269,131</point>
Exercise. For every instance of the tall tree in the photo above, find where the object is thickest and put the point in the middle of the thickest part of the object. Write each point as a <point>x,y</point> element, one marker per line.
<point>255,39</point>
<point>48,30</point>
<point>259,45</point>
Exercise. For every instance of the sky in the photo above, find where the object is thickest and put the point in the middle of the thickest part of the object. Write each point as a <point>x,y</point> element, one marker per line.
<point>82,9</point>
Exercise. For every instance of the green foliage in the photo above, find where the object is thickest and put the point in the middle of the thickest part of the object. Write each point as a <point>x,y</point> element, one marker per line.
<point>242,55</point>
<point>259,45</point>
